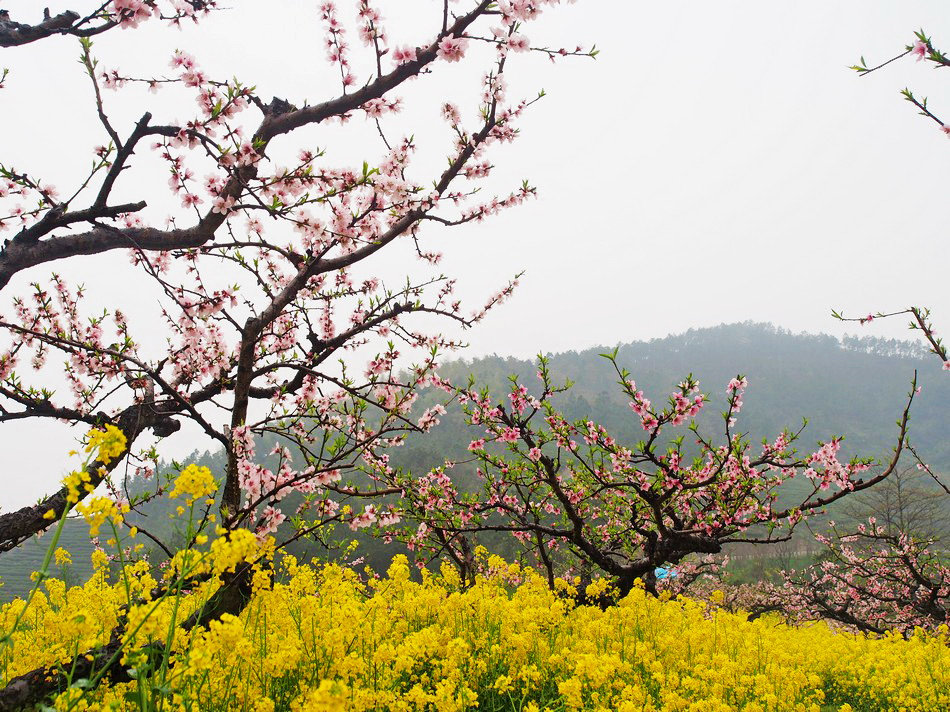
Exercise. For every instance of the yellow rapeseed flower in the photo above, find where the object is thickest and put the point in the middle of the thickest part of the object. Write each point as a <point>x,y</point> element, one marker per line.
<point>315,638</point>
<point>107,444</point>
<point>194,482</point>
<point>72,482</point>
<point>97,510</point>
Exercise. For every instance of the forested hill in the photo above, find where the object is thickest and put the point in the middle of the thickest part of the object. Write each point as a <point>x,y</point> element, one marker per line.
<point>855,387</point>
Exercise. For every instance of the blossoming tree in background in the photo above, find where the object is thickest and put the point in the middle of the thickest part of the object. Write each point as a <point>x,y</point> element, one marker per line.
<point>873,580</point>
<point>274,317</point>
<point>572,494</point>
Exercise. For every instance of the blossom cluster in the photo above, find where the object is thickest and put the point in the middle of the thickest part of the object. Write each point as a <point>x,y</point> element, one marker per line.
<point>194,482</point>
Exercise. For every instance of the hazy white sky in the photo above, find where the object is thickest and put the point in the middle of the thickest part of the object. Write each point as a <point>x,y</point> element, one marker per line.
<point>718,162</point>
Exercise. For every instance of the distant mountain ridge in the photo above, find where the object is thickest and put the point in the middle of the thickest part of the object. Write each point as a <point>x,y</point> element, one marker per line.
<point>856,386</point>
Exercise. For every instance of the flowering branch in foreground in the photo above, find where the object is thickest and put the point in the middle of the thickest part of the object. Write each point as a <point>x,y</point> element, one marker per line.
<point>267,272</point>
